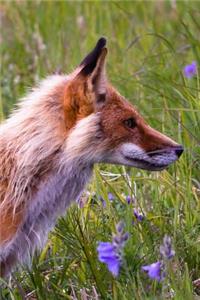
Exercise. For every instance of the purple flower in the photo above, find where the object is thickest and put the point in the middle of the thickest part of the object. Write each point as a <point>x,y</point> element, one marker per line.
<point>129,199</point>
<point>111,197</point>
<point>166,249</point>
<point>190,70</point>
<point>102,201</point>
<point>120,227</point>
<point>107,254</point>
<point>138,216</point>
<point>157,270</point>
<point>154,270</point>
<point>111,253</point>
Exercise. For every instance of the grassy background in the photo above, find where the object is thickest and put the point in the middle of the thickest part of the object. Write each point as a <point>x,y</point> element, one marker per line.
<point>149,44</point>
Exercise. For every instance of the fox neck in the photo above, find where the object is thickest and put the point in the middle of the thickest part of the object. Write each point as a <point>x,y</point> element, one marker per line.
<point>65,184</point>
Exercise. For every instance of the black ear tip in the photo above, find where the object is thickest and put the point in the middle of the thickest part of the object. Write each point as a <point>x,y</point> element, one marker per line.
<point>90,60</point>
<point>101,42</point>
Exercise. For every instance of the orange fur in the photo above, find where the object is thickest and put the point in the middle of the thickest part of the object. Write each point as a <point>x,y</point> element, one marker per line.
<point>77,102</point>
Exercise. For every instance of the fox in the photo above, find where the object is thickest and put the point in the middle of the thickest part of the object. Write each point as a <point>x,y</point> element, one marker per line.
<point>50,144</point>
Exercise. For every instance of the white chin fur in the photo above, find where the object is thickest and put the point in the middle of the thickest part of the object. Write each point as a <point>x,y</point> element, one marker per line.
<point>134,156</point>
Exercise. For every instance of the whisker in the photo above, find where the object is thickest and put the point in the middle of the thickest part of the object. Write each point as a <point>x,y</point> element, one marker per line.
<point>165,150</point>
<point>156,151</point>
<point>161,151</point>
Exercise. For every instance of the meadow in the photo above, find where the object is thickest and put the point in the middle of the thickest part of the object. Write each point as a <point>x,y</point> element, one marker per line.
<point>150,44</point>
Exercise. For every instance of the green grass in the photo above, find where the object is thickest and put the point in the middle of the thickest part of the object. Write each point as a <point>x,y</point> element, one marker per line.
<point>149,44</point>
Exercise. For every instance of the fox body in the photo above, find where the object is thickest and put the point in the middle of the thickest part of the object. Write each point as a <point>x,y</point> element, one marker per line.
<point>49,145</point>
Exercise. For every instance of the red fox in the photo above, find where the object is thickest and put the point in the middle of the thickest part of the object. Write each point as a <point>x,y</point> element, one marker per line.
<point>49,145</point>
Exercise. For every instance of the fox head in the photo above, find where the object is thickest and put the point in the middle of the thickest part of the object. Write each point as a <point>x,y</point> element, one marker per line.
<point>116,132</point>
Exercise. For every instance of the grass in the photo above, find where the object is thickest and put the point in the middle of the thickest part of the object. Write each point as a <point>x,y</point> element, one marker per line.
<point>149,44</point>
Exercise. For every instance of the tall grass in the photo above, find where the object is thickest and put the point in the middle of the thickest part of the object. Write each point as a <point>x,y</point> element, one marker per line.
<point>149,44</point>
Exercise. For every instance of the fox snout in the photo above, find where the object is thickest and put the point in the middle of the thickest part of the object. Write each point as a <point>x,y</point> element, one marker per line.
<point>164,157</point>
<point>178,150</point>
<point>156,160</point>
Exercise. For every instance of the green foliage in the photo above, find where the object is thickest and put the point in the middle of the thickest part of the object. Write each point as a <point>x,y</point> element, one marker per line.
<point>149,44</point>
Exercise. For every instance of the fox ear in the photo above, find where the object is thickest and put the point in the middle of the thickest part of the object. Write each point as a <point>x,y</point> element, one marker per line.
<point>93,69</point>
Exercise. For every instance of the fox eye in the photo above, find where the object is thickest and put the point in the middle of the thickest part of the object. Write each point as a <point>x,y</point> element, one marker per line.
<point>130,123</point>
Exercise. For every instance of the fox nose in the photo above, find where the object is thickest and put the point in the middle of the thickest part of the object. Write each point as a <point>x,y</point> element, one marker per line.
<point>179,150</point>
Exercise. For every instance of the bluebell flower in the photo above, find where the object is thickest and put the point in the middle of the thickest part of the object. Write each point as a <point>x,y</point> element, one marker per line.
<point>138,215</point>
<point>129,199</point>
<point>154,270</point>
<point>166,249</point>
<point>107,254</point>
<point>120,227</point>
<point>120,238</point>
<point>102,201</point>
<point>111,253</point>
<point>111,197</point>
<point>190,70</point>
<point>157,270</point>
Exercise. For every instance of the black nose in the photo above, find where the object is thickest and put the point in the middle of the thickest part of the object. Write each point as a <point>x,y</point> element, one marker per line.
<point>179,150</point>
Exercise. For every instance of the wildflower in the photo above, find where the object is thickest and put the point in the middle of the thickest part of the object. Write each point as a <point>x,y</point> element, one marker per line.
<point>138,215</point>
<point>108,255</point>
<point>190,70</point>
<point>154,270</point>
<point>166,249</point>
<point>157,270</point>
<point>111,197</point>
<point>120,227</point>
<point>129,199</point>
<point>102,201</point>
<point>111,253</point>
<point>120,238</point>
